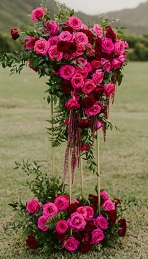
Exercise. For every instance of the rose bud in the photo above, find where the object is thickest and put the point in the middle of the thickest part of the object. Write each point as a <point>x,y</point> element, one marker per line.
<point>15,34</point>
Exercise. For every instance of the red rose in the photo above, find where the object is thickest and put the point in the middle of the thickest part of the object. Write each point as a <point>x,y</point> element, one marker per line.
<point>31,242</point>
<point>85,247</point>
<point>93,199</point>
<point>84,123</point>
<point>110,33</point>
<point>89,34</point>
<point>71,48</point>
<point>15,34</point>
<point>62,46</point>
<point>67,29</point>
<point>112,216</point>
<point>98,91</point>
<point>122,227</point>
<point>90,226</point>
<point>88,102</point>
<point>78,236</point>
<point>60,237</point>
<point>116,201</point>
<point>73,207</point>
<point>66,87</point>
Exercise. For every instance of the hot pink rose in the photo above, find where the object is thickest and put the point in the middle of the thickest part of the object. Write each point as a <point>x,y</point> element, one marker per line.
<point>61,226</point>
<point>104,195</point>
<point>80,49</point>
<point>74,22</point>
<point>41,46</point>
<point>76,221</point>
<point>89,86</point>
<point>71,244</point>
<point>29,42</point>
<point>89,67</point>
<point>96,64</point>
<point>106,65</point>
<point>80,37</point>
<point>61,202</point>
<point>82,210</point>
<point>92,111</point>
<point>65,36</point>
<point>101,222</point>
<point>85,147</point>
<point>41,221</point>
<point>97,29</point>
<point>38,14</point>
<point>109,89</point>
<point>67,71</point>
<point>54,53</point>
<point>52,27</point>
<point>33,206</point>
<point>99,125</point>
<point>81,62</point>
<point>50,209</point>
<point>90,213</point>
<point>77,81</point>
<point>118,62</point>
<point>53,40</point>
<point>83,71</point>
<point>107,45</point>
<point>71,104</point>
<point>98,76</point>
<point>97,236</point>
<point>119,47</point>
<point>108,205</point>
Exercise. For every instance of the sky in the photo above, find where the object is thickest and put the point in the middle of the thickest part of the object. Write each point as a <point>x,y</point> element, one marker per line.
<point>100,6</point>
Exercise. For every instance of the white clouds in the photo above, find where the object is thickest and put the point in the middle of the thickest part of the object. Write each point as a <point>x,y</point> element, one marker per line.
<point>100,6</point>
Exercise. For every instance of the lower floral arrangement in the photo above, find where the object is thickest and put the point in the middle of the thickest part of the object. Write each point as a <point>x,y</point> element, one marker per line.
<point>50,222</point>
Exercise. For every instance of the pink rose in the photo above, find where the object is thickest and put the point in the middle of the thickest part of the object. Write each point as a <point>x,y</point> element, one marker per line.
<point>97,29</point>
<point>118,62</point>
<point>65,36</point>
<point>66,71</point>
<point>71,104</point>
<point>107,45</point>
<point>90,213</point>
<point>29,42</point>
<point>97,236</point>
<point>88,66</point>
<point>33,206</point>
<point>41,46</point>
<point>92,111</point>
<point>50,209</point>
<point>101,222</point>
<point>77,81</point>
<point>82,210</point>
<point>98,125</point>
<point>96,64</point>
<point>98,76</point>
<point>83,71</point>
<point>74,22</point>
<point>76,221</point>
<point>106,65</point>
<point>81,62</point>
<point>89,86</point>
<point>54,53</point>
<point>53,40</point>
<point>71,244</point>
<point>41,221</point>
<point>61,202</point>
<point>80,37</point>
<point>108,205</point>
<point>38,14</point>
<point>119,47</point>
<point>104,195</point>
<point>109,89</point>
<point>80,49</point>
<point>61,226</point>
<point>52,27</point>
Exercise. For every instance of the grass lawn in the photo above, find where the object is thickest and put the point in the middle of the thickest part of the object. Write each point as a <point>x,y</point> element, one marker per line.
<point>123,158</point>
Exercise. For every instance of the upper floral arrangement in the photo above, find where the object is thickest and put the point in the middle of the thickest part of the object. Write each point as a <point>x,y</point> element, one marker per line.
<point>83,65</point>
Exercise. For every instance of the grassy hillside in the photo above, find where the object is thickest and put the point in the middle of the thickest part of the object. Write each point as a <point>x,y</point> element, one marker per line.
<point>15,14</point>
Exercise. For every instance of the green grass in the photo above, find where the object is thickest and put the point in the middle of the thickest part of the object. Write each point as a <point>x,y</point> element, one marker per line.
<point>123,158</point>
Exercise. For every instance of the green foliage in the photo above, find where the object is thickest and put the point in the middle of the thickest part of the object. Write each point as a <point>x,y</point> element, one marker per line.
<point>43,187</point>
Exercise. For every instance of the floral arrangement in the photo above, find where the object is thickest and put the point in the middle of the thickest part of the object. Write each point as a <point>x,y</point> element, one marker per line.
<point>83,66</point>
<point>49,222</point>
